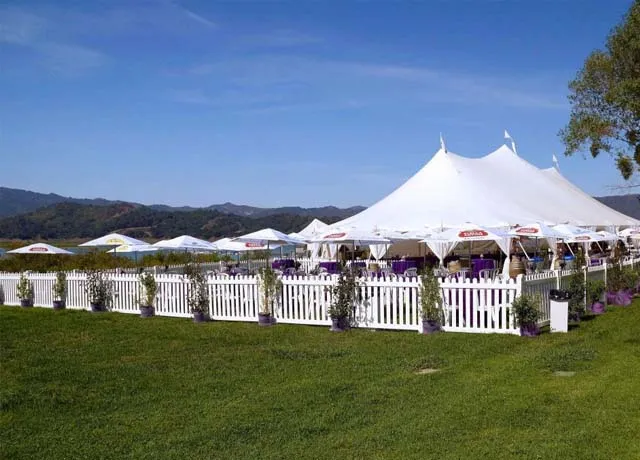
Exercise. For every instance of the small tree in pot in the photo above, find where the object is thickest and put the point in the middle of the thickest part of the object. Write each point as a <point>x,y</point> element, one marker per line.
<point>595,291</point>
<point>198,297</point>
<point>431,303</point>
<point>99,288</point>
<point>270,291</point>
<point>526,311</point>
<point>60,291</point>
<point>24,289</point>
<point>344,296</point>
<point>148,297</point>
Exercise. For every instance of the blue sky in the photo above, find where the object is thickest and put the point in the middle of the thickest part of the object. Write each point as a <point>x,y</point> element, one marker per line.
<point>283,103</point>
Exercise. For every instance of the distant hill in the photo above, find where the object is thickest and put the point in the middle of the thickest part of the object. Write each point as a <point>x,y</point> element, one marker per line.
<point>73,220</point>
<point>626,204</point>
<point>14,202</point>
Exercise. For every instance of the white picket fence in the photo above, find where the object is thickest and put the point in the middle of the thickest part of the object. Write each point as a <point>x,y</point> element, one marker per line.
<point>540,284</point>
<point>481,306</point>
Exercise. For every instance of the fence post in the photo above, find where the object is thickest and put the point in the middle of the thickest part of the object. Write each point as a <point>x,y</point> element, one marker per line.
<point>557,279</point>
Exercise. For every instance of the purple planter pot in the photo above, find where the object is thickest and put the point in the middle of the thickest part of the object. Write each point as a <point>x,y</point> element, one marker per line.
<point>200,317</point>
<point>529,330</point>
<point>597,308</point>
<point>26,303</point>
<point>98,308</point>
<point>147,311</point>
<point>265,319</point>
<point>59,304</point>
<point>430,327</point>
<point>340,324</point>
<point>611,298</point>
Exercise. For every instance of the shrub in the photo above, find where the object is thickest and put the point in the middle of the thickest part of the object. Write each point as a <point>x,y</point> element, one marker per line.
<point>430,297</point>
<point>24,288</point>
<point>149,288</point>
<point>198,296</point>
<point>270,288</point>
<point>99,288</point>
<point>60,286</point>
<point>526,309</point>
<point>345,294</point>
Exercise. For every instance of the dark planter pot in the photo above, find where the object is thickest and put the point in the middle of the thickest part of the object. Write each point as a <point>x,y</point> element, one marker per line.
<point>265,319</point>
<point>147,311</point>
<point>98,307</point>
<point>430,327</point>
<point>597,308</point>
<point>529,330</point>
<point>200,317</point>
<point>340,324</point>
<point>611,298</point>
<point>59,304</point>
<point>26,303</point>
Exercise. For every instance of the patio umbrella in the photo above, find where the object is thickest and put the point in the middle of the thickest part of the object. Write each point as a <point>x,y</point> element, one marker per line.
<point>40,248</point>
<point>539,230</point>
<point>112,239</point>
<point>269,237</point>
<point>444,242</point>
<point>355,236</point>
<point>633,232</point>
<point>186,243</point>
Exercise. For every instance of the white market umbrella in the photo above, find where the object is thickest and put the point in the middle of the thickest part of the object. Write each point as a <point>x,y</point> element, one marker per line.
<point>268,236</point>
<point>443,243</point>
<point>39,248</point>
<point>112,239</point>
<point>357,237</point>
<point>539,230</point>
<point>608,236</point>
<point>633,232</point>
<point>226,244</point>
<point>186,243</point>
<point>125,248</point>
<point>575,234</point>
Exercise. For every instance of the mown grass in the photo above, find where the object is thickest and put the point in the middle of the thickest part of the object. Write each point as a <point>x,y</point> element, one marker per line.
<point>113,386</point>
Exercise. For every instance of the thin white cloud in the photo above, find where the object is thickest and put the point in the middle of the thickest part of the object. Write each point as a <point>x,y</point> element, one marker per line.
<point>280,38</point>
<point>309,81</point>
<point>38,34</point>
<point>198,18</point>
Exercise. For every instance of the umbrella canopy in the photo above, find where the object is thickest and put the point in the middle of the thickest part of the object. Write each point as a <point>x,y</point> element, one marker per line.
<point>135,248</point>
<point>39,248</point>
<point>536,230</point>
<point>267,236</point>
<point>113,239</point>
<point>573,234</point>
<point>226,244</point>
<point>467,232</point>
<point>608,236</point>
<point>351,235</point>
<point>633,232</point>
<point>186,243</point>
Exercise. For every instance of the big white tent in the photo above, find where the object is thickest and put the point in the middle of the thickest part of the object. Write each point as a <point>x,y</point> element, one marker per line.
<point>497,190</point>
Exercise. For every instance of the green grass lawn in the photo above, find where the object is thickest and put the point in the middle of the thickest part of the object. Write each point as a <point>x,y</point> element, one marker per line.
<point>114,386</point>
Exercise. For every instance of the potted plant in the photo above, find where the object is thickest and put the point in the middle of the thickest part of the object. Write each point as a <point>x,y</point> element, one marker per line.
<point>431,303</point>
<point>270,289</point>
<point>620,281</point>
<point>149,292</point>
<point>595,291</point>
<point>526,311</point>
<point>60,291</point>
<point>344,295</point>
<point>24,290</point>
<point>576,288</point>
<point>198,297</point>
<point>99,288</point>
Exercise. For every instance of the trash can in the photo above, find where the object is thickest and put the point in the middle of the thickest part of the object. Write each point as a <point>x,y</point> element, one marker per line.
<point>559,306</point>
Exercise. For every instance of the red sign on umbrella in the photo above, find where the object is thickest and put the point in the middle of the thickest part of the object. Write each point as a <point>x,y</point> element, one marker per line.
<point>334,236</point>
<point>38,249</point>
<point>472,233</point>
<point>527,230</point>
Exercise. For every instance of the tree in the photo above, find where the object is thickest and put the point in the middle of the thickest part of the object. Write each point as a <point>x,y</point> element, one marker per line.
<point>605,99</point>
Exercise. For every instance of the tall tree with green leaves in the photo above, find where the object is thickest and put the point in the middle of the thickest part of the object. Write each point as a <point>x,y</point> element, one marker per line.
<point>605,99</point>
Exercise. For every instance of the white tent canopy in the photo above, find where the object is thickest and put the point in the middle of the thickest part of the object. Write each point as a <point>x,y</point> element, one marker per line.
<point>315,228</point>
<point>113,239</point>
<point>39,248</point>
<point>498,190</point>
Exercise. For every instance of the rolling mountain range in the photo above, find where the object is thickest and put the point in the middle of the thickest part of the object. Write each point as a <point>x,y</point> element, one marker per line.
<point>31,215</point>
<point>15,201</point>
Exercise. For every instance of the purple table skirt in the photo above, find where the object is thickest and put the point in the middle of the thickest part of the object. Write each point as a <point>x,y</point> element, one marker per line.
<point>481,264</point>
<point>399,266</point>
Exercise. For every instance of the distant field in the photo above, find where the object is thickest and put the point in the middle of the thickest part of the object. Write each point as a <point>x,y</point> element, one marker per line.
<point>112,386</point>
